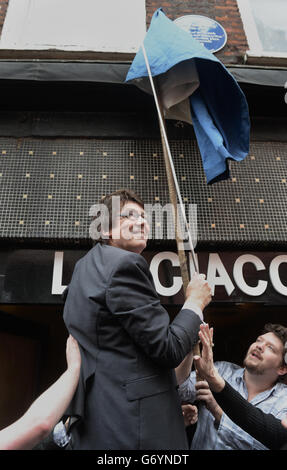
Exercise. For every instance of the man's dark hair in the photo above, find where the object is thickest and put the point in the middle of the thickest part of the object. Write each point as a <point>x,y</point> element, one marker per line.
<point>124,195</point>
<point>281,333</point>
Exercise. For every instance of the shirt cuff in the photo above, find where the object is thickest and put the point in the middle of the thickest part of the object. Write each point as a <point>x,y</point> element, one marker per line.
<point>60,436</point>
<point>186,391</point>
<point>192,306</point>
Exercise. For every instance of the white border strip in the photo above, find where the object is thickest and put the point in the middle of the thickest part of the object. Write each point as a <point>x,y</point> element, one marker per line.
<point>254,42</point>
<point>250,28</point>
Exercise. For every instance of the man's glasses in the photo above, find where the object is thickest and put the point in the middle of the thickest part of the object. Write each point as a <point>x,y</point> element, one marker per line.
<point>133,215</point>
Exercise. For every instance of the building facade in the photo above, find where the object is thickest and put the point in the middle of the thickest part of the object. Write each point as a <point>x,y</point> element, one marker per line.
<point>71,131</point>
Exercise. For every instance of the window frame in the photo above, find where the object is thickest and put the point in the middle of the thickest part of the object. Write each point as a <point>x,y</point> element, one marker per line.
<point>253,39</point>
<point>20,12</point>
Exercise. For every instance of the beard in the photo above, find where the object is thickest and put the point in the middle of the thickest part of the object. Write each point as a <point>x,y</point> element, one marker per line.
<point>255,369</point>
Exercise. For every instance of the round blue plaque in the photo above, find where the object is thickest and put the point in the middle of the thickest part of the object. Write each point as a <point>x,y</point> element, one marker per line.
<point>207,31</point>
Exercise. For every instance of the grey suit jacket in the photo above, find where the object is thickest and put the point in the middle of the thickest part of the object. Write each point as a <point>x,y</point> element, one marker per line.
<point>127,395</point>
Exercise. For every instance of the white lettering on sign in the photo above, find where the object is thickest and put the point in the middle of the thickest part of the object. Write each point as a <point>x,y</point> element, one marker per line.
<point>274,274</point>
<point>57,287</point>
<point>215,266</point>
<point>239,279</point>
<point>217,274</point>
<point>154,268</point>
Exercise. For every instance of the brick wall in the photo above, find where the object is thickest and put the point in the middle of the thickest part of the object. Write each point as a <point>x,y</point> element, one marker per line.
<point>224,11</point>
<point>3,9</point>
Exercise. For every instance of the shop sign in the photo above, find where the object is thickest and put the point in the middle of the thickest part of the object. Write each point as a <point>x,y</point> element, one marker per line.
<point>41,276</point>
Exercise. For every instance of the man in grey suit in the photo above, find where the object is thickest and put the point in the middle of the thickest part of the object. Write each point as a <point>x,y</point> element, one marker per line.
<point>127,394</point>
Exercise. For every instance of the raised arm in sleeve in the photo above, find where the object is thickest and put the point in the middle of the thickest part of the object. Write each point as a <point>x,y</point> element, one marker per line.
<point>132,297</point>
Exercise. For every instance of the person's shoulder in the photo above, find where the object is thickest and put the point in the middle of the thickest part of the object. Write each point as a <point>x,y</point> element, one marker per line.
<point>225,367</point>
<point>281,391</point>
<point>122,263</point>
<point>117,257</point>
<point>280,395</point>
<point>132,260</point>
<point>103,250</point>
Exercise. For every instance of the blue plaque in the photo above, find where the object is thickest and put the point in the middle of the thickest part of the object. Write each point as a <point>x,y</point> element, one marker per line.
<point>205,30</point>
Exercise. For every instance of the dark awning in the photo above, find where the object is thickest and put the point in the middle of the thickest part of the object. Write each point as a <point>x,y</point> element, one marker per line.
<point>115,72</point>
<point>108,72</point>
<point>259,76</point>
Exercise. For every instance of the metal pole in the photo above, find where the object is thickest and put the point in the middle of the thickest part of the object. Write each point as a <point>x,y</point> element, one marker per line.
<point>171,174</point>
<point>174,192</point>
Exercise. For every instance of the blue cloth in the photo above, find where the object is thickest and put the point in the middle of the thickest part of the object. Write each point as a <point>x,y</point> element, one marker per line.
<point>227,435</point>
<point>218,107</point>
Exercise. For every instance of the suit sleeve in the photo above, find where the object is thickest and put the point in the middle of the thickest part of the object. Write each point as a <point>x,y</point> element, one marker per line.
<point>132,298</point>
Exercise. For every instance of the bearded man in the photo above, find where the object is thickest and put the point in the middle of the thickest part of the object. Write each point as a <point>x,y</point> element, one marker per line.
<point>260,382</point>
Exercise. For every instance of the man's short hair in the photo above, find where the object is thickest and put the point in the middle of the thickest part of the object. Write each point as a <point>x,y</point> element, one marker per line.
<point>281,332</point>
<point>124,195</point>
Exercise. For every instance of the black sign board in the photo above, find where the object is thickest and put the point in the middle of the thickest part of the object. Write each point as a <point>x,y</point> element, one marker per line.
<point>40,276</point>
